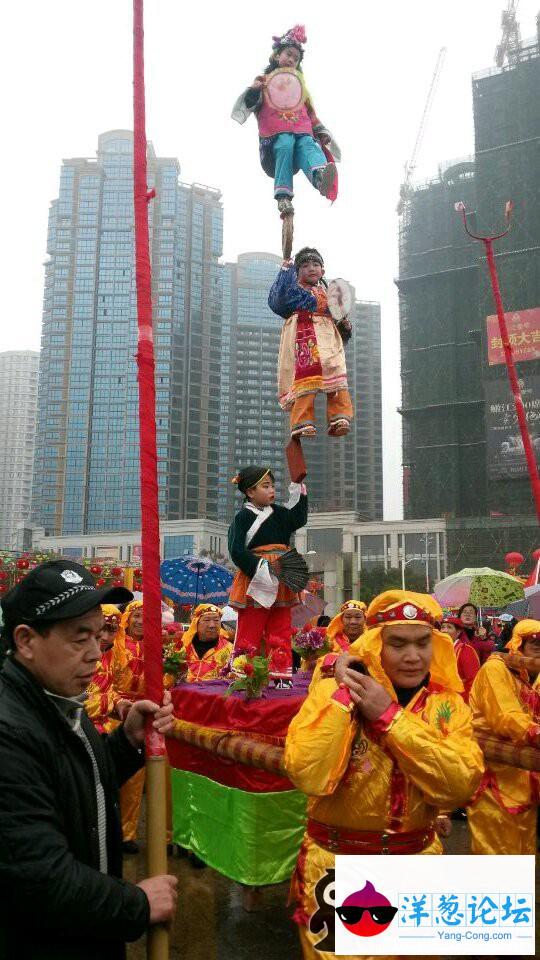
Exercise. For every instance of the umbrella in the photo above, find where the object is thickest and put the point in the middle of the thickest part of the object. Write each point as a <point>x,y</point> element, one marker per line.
<point>518,609</point>
<point>479,585</point>
<point>195,580</point>
<point>533,598</point>
<point>310,608</point>
<point>229,615</point>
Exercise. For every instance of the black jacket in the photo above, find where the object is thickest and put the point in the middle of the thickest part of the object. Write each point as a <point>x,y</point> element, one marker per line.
<point>54,902</point>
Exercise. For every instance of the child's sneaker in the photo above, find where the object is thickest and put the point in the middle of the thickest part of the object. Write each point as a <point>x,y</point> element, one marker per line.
<point>325,179</point>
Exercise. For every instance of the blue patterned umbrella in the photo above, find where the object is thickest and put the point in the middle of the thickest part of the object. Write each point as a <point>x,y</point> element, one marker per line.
<point>195,580</point>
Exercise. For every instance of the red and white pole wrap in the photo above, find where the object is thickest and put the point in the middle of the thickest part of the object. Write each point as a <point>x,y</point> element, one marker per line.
<point>158,940</point>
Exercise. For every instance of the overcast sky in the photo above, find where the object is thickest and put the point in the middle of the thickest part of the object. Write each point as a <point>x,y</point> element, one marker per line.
<point>66,76</point>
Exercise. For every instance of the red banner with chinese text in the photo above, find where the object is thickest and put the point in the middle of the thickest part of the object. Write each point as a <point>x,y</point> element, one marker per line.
<point>523,333</point>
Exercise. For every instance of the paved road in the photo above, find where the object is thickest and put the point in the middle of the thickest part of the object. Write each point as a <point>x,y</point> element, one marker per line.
<point>212,924</point>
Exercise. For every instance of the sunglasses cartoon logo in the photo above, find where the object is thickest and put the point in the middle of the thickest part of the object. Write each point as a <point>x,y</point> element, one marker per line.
<point>367,912</point>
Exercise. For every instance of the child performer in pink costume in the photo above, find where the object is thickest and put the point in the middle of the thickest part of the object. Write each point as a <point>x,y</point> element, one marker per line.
<point>260,532</point>
<point>291,136</point>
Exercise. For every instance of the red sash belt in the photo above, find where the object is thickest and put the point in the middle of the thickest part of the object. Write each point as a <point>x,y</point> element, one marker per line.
<point>350,842</point>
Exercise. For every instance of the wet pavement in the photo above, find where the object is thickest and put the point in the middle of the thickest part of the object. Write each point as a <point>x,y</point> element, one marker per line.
<point>212,924</point>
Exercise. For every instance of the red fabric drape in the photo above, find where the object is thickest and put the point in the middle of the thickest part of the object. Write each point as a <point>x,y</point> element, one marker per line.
<point>153,664</point>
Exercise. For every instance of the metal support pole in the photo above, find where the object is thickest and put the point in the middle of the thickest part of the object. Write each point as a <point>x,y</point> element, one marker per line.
<point>508,352</point>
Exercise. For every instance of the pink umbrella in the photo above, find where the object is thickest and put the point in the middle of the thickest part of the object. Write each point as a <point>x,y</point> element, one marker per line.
<point>310,608</point>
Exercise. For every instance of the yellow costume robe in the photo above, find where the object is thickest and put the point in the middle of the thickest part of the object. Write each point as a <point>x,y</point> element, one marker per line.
<point>335,630</point>
<point>101,695</point>
<point>212,663</point>
<point>128,681</point>
<point>502,816</point>
<point>360,778</point>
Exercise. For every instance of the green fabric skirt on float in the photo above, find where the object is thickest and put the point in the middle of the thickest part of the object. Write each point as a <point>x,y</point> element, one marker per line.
<point>252,838</point>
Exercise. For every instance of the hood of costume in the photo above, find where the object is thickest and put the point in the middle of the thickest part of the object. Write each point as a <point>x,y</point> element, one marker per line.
<point>522,630</point>
<point>191,633</point>
<point>395,607</point>
<point>124,622</point>
<point>336,624</point>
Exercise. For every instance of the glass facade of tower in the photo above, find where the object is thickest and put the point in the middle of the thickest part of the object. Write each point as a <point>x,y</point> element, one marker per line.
<point>346,473</point>
<point>255,430</point>
<point>197,355</point>
<point>87,451</point>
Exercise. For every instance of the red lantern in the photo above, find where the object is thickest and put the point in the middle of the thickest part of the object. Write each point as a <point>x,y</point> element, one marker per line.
<point>137,572</point>
<point>95,569</point>
<point>100,583</point>
<point>513,560</point>
<point>22,564</point>
<point>3,577</point>
<point>536,555</point>
<point>118,583</point>
<point>116,571</point>
<point>137,585</point>
<point>3,587</point>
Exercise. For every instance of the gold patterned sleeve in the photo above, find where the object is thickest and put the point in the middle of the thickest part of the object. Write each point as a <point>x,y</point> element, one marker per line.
<point>319,741</point>
<point>440,756</point>
<point>494,698</point>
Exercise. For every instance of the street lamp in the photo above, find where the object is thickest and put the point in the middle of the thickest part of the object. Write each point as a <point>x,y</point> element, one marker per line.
<point>427,561</point>
<point>403,565</point>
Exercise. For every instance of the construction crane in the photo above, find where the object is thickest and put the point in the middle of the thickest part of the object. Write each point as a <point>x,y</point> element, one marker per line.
<point>410,166</point>
<point>510,45</point>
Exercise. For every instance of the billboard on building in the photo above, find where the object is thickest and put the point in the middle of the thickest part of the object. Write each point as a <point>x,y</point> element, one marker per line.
<point>506,456</point>
<point>523,333</point>
<point>107,553</point>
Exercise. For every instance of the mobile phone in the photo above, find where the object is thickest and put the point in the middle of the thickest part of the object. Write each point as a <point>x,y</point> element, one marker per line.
<point>358,666</point>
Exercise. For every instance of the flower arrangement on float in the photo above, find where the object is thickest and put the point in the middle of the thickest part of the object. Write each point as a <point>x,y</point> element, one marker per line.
<point>252,676</point>
<point>311,645</point>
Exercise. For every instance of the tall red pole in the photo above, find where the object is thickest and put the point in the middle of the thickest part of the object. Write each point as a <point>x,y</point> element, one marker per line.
<point>158,941</point>
<point>509,355</point>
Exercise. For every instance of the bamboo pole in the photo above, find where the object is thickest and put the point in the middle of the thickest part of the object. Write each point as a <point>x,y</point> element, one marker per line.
<point>514,661</point>
<point>254,753</point>
<point>156,848</point>
<point>514,755</point>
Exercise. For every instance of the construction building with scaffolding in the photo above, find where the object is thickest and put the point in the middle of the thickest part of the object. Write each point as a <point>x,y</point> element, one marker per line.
<point>461,459</point>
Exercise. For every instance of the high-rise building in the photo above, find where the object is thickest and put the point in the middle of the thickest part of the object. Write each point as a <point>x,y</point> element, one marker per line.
<point>18,406</point>
<point>345,473</point>
<point>254,429</point>
<point>367,425</point>
<point>87,460</point>
<point>463,456</point>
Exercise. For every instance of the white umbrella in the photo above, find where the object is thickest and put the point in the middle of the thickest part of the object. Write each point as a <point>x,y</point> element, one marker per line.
<point>229,615</point>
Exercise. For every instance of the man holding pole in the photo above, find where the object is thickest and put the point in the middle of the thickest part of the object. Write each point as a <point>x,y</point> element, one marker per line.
<point>60,837</point>
<point>502,814</point>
